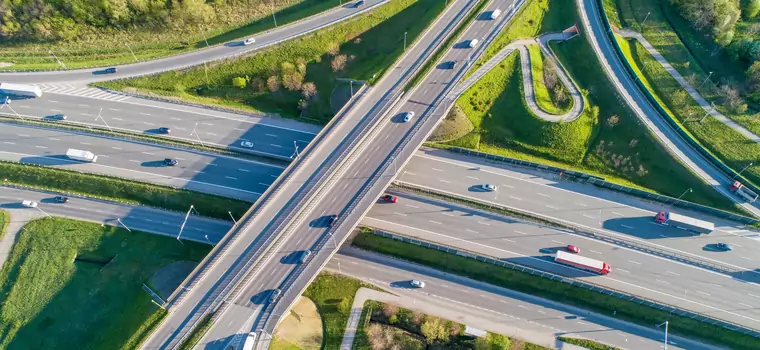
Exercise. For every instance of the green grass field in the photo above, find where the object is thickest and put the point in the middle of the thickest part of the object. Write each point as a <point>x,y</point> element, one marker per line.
<point>5,218</point>
<point>587,344</point>
<point>107,47</point>
<point>553,290</point>
<point>49,300</point>
<point>370,44</point>
<point>545,97</point>
<point>607,140</point>
<point>121,190</point>
<point>334,296</point>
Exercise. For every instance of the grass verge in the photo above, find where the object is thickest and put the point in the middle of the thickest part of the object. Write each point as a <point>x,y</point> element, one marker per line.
<point>588,344</point>
<point>334,295</point>
<point>106,48</point>
<point>553,290</point>
<point>545,98</point>
<point>81,285</point>
<point>5,218</point>
<point>198,332</point>
<point>120,190</point>
<point>296,78</point>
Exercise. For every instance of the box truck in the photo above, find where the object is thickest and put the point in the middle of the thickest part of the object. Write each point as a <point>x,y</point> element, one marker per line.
<point>582,262</point>
<point>20,90</point>
<point>684,222</point>
<point>82,156</point>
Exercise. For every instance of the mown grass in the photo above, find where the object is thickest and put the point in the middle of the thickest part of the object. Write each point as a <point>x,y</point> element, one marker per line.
<point>544,97</point>
<point>727,144</point>
<point>122,190</point>
<point>607,140</point>
<point>197,333</point>
<point>371,43</point>
<point>553,290</point>
<point>587,344</point>
<point>454,126</point>
<point>106,48</point>
<point>78,304</point>
<point>334,295</point>
<point>5,218</point>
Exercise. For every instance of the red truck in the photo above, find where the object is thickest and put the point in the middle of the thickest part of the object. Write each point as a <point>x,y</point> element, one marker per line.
<point>684,222</point>
<point>743,191</point>
<point>582,262</point>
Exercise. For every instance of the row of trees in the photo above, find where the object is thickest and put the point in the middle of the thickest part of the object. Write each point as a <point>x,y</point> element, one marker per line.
<point>717,16</point>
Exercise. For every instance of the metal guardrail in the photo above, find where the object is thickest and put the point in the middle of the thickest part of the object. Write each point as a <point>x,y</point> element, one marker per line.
<point>601,182</point>
<point>574,282</point>
<point>725,169</point>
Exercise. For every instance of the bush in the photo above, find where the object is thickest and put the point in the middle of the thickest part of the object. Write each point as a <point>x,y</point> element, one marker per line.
<point>239,82</point>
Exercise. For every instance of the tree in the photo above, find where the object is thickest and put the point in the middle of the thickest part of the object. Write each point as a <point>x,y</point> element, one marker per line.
<point>434,330</point>
<point>239,82</point>
<point>287,68</point>
<point>292,81</point>
<point>613,120</point>
<point>339,63</point>
<point>389,310</point>
<point>753,76</point>
<point>273,83</point>
<point>333,48</point>
<point>550,75</point>
<point>751,8</point>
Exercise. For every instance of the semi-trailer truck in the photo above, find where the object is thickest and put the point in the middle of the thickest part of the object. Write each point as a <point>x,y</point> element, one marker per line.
<point>743,191</point>
<point>684,222</point>
<point>20,90</point>
<point>82,156</point>
<point>582,262</point>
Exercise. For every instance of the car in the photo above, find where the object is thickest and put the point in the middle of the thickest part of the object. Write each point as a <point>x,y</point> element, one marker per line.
<point>389,198</point>
<point>451,64</point>
<point>304,255</point>
<point>164,130</point>
<point>246,144</point>
<point>58,116</point>
<point>61,199</point>
<point>573,249</point>
<point>170,162</point>
<point>6,100</point>
<point>29,204</point>
<point>724,247</point>
<point>331,220</point>
<point>408,116</point>
<point>417,284</point>
<point>249,41</point>
<point>473,42</point>
<point>495,14</point>
<point>109,70</point>
<point>488,187</point>
<point>274,296</point>
<point>359,3</point>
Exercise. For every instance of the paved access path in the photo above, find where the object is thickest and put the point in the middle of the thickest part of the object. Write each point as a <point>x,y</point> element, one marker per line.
<point>706,106</point>
<point>527,75</point>
<point>18,218</point>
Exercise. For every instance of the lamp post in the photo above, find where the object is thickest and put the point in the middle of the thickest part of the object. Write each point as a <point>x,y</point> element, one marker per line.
<point>706,79</point>
<point>130,50</point>
<point>405,41</point>
<point>204,35</point>
<point>684,192</point>
<point>740,172</point>
<point>645,19</point>
<point>666,333</point>
<point>104,121</point>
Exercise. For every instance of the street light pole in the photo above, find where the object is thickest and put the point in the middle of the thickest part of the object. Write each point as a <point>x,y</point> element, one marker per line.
<point>122,224</point>
<point>295,154</point>
<point>46,214</point>
<point>130,50</point>
<point>706,79</point>
<point>104,121</point>
<point>740,172</point>
<point>196,133</point>
<point>181,228</point>
<point>712,108</point>
<point>56,59</point>
<point>204,35</point>
<point>666,333</point>
<point>405,41</point>
<point>645,19</point>
<point>273,17</point>
<point>13,110</point>
<point>684,192</point>
<point>233,218</point>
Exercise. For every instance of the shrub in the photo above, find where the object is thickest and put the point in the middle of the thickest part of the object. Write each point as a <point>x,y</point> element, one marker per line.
<point>239,82</point>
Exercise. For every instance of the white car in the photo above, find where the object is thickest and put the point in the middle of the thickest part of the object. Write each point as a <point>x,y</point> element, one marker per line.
<point>495,14</point>
<point>473,42</point>
<point>249,41</point>
<point>246,144</point>
<point>29,204</point>
<point>408,116</point>
<point>417,284</point>
<point>488,187</point>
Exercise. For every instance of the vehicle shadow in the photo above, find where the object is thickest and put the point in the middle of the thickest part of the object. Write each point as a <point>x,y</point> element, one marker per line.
<point>292,258</point>
<point>154,164</point>
<point>262,297</point>
<point>402,284</point>
<point>477,188</point>
<point>399,118</point>
<point>644,227</point>
<point>562,270</point>
<point>51,160</point>
<point>321,221</point>
<point>485,16</point>
<point>462,44</point>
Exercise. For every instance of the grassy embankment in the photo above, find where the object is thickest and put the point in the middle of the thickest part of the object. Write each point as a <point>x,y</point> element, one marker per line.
<point>607,140</point>
<point>106,47</point>
<point>545,97</point>
<point>93,303</point>
<point>587,344</point>
<point>5,218</point>
<point>275,81</point>
<point>553,290</point>
<point>121,190</point>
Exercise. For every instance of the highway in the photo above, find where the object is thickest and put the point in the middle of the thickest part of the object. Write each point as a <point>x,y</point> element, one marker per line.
<point>227,50</point>
<point>205,172</point>
<point>533,245</point>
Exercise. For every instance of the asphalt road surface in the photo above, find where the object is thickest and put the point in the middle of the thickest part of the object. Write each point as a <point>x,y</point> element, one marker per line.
<point>534,245</point>
<point>500,310</point>
<point>270,135</point>
<point>204,172</point>
<point>583,205</point>
<point>214,53</point>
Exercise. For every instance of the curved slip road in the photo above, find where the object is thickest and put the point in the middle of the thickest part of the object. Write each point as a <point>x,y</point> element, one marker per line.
<point>204,172</point>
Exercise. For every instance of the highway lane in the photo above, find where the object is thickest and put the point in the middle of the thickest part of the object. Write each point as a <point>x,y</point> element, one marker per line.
<point>134,217</point>
<point>496,309</point>
<point>196,57</point>
<point>533,245</point>
<point>198,171</point>
<point>271,136</point>
<point>580,204</point>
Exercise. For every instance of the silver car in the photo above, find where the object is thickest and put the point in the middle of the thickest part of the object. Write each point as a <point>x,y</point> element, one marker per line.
<point>417,284</point>
<point>488,187</point>
<point>408,116</point>
<point>249,41</point>
<point>246,144</point>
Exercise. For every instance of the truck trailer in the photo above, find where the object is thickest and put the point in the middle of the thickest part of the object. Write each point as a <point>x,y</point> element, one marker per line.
<point>82,156</point>
<point>684,222</point>
<point>582,262</point>
<point>250,341</point>
<point>743,191</point>
<point>20,90</point>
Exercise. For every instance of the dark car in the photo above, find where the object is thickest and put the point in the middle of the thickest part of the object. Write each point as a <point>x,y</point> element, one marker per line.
<point>58,116</point>
<point>451,64</point>
<point>359,3</point>
<point>331,220</point>
<point>170,162</point>
<point>61,199</point>
<point>164,130</point>
<point>724,247</point>
<point>274,296</point>
<point>109,70</point>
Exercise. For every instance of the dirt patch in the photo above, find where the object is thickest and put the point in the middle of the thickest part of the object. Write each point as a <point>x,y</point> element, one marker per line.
<point>303,327</point>
<point>168,278</point>
<point>455,125</point>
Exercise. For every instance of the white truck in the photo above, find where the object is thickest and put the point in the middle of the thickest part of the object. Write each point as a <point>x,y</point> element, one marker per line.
<point>82,156</point>
<point>9,89</point>
<point>582,262</point>
<point>743,191</point>
<point>250,341</point>
<point>684,222</point>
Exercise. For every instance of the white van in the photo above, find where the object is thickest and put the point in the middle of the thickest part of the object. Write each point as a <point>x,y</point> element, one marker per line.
<point>495,14</point>
<point>29,204</point>
<point>473,42</point>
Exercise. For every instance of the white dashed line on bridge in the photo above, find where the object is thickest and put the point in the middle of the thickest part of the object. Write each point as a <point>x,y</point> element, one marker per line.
<point>626,226</point>
<point>231,178</point>
<point>436,169</point>
<point>434,222</point>
<point>245,171</point>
